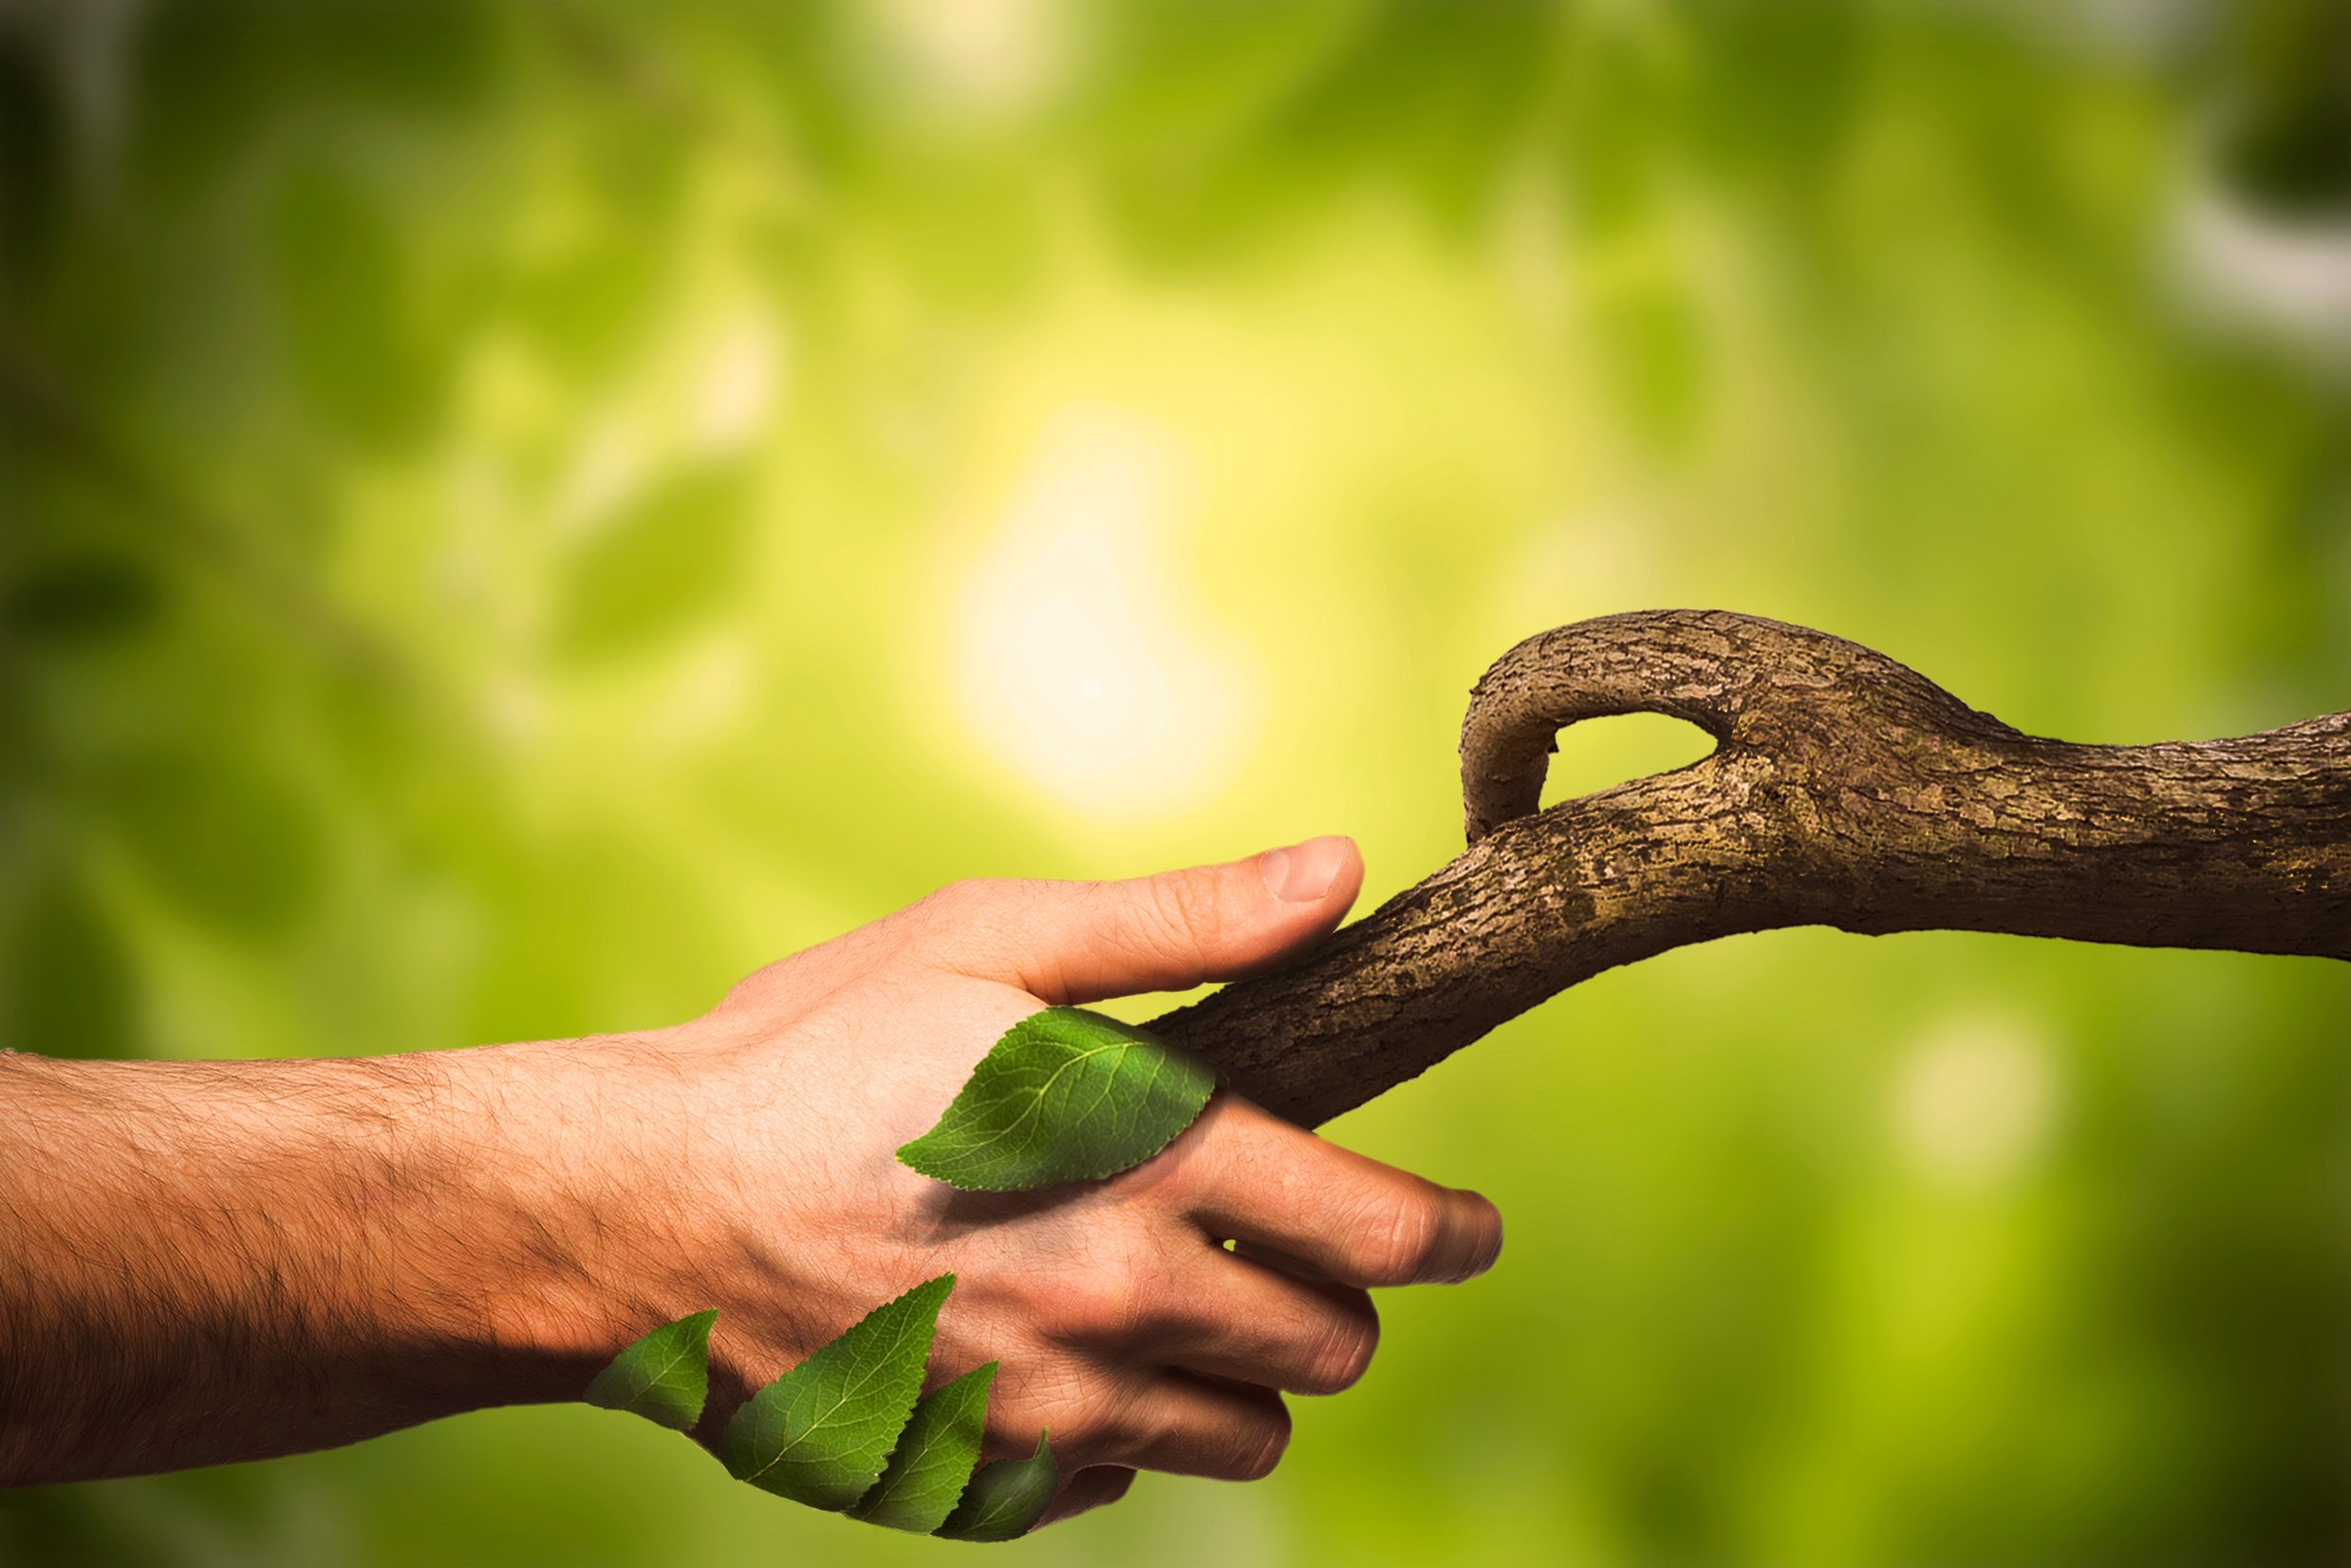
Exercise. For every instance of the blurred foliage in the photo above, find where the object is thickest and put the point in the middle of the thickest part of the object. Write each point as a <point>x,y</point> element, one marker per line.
<point>512,514</point>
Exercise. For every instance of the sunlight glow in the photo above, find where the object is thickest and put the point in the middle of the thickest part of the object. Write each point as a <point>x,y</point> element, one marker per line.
<point>981,57</point>
<point>1974,1105</point>
<point>735,384</point>
<point>1079,659</point>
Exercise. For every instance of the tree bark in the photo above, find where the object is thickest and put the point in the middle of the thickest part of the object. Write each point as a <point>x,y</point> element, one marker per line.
<point>1844,789</point>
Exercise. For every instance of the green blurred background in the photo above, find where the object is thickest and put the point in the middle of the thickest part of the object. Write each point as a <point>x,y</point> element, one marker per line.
<point>512,515</point>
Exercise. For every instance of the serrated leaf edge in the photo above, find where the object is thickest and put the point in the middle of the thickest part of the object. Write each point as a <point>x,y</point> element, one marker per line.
<point>864,1508</point>
<point>778,1458</point>
<point>912,1154</point>
<point>1044,1451</point>
<point>631,1408</point>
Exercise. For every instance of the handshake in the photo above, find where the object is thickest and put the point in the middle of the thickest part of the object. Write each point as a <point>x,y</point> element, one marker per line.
<point>347,1246</point>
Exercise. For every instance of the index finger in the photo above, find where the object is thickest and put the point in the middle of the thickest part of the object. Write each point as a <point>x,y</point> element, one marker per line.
<point>1260,1180</point>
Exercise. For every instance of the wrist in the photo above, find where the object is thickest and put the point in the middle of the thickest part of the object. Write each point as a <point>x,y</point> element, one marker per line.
<point>550,1256</point>
<point>427,1235</point>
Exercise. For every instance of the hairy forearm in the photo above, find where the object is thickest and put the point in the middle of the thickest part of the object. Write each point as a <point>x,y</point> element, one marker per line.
<point>210,1262</point>
<point>204,1262</point>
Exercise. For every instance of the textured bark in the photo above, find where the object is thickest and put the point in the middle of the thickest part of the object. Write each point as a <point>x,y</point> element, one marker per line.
<point>1844,789</point>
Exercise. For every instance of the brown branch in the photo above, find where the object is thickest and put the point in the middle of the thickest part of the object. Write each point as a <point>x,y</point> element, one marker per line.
<point>1844,789</point>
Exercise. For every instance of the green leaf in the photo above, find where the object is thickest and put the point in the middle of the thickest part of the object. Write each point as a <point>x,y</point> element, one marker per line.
<point>664,1377</point>
<point>1006,1498</point>
<point>933,1458</point>
<point>1066,1096</point>
<point>819,1434</point>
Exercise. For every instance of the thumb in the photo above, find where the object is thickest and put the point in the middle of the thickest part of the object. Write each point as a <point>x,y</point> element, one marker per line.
<point>1077,942</point>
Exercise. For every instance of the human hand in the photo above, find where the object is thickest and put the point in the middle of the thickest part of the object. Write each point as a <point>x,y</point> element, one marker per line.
<point>768,1129</point>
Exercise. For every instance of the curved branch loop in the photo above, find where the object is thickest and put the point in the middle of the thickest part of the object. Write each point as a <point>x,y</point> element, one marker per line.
<point>1844,789</point>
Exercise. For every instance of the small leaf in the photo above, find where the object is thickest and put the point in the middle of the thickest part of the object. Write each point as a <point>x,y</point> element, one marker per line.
<point>933,1458</point>
<point>1066,1096</point>
<point>1006,1498</point>
<point>664,1377</point>
<point>819,1434</point>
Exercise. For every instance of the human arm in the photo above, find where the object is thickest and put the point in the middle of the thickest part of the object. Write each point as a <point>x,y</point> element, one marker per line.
<point>204,1262</point>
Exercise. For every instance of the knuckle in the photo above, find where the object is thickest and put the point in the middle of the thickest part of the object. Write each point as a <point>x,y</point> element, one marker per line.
<point>1344,1355</point>
<point>1401,1237</point>
<point>1185,1172</point>
<point>976,925</point>
<point>964,903</point>
<point>934,920</point>
<point>1076,1404</point>
<point>1089,1424</point>
<point>969,890</point>
<point>1106,1303</point>
<point>1264,1448</point>
<point>955,902</point>
<point>1002,907</point>
<point>1186,911</point>
<point>747,992</point>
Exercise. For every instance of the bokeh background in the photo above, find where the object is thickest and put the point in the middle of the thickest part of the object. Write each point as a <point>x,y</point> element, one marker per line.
<point>513,514</point>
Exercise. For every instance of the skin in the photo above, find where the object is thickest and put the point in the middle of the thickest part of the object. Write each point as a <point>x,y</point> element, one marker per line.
<point>208,1261</point>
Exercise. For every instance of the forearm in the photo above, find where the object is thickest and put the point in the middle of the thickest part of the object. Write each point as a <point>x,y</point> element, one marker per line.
<point>221,1260</point>
<point>211,1261</point>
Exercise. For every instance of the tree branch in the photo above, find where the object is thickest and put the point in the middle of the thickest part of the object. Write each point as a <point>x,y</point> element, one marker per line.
<point>1844,789</point>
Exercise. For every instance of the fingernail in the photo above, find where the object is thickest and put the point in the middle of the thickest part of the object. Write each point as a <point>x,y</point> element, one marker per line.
<point>1303,872</point>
